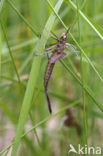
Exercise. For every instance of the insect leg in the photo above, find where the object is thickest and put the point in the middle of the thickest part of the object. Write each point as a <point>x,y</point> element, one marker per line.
<point>44,53</point>
<point>54,38</point>
<point>54,35</point>
<point>54,45</point>
<point>37,46</point>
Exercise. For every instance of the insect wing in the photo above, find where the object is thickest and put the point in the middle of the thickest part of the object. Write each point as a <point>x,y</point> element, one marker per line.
<point>71,49</point>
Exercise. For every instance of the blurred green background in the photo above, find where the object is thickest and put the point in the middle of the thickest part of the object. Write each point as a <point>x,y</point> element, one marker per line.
<point>23,24</point>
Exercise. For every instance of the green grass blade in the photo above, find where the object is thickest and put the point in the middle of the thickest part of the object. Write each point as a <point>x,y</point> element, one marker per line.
<point>1,5</point>
<point>87,58</point>
<point>86,88</point>
<point>10,52</point>
<point>83,81</point>
<point>32,80</point>
<point>22,17</point>
<point>98,30</point>
<point>21,45</point>
<point>0,53</point>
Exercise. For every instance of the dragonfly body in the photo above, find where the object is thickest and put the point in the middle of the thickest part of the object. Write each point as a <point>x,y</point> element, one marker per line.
<point>57,54</point>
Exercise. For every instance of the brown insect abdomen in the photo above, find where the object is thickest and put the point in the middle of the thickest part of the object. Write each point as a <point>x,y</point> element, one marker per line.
<point>48,73</point>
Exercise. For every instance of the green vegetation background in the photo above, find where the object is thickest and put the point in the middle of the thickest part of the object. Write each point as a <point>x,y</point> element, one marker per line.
<point>76,83</point>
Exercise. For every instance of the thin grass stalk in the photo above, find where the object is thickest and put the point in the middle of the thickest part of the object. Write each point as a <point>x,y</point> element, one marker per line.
<point>98,31</point>
<point>22,17</point>
<point>10,52</point>
<point>86,88</point>
<point>83,82</point>
<point>0,53</point>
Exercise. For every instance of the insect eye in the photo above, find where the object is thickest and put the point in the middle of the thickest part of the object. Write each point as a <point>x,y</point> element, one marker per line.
<point>64,36</point>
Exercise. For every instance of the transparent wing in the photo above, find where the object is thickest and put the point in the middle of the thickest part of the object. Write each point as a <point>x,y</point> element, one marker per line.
<point>71,49</point>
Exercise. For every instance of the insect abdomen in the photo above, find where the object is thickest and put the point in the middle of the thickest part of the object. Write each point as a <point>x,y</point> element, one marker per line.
<point>48,73</point>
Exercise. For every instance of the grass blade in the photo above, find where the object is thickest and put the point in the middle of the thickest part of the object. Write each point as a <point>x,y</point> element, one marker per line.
<point>3,29</point>
<point>86,88</point>
<point>98,30</point>
<point>22,17</point>
<point>1,5</point>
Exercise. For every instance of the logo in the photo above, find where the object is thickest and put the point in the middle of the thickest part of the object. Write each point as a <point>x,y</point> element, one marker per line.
<point>84,150</point>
